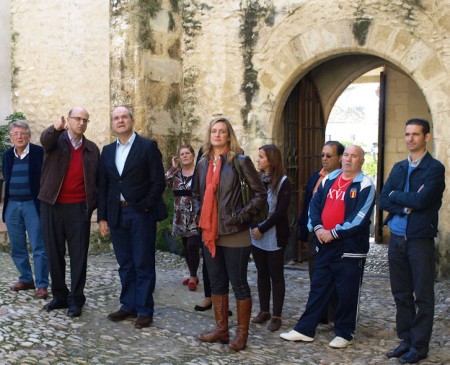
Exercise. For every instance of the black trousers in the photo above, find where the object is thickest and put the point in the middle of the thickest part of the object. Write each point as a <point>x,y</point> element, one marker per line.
<point>71,223</point>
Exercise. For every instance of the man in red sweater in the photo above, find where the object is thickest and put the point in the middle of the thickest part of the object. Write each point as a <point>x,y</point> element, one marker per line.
<point>68,197</point>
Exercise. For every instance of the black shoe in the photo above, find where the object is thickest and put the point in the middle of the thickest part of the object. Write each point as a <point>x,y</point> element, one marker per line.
<point>143,321</point>
<point>55,304</point>
<point>121,315</point>
<point>411,357</point>
<point>399,351</point>
<point>199,308</point>
<point>74,311</point>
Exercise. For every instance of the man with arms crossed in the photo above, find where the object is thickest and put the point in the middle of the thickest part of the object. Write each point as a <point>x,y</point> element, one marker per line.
<point>131,181</point>
<point>413,195</point>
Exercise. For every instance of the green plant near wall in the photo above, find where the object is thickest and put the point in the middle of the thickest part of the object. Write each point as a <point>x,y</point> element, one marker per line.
<point>5,142</point>
<point>250,18</point>
<point>164,240</point>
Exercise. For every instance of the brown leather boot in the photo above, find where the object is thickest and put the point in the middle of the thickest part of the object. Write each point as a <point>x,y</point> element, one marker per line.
<point>220,333</point>
<point>244,311</point>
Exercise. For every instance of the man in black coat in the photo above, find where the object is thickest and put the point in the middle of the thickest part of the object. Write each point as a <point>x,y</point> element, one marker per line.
<point>131,181</point>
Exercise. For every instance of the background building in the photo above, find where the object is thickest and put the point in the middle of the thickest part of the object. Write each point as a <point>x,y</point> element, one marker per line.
<point>276,68</point>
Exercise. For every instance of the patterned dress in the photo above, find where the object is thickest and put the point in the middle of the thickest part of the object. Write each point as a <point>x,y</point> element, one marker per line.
<point>183,217</point>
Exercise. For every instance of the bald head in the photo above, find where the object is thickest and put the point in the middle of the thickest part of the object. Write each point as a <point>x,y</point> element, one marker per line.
<point>352,160</point>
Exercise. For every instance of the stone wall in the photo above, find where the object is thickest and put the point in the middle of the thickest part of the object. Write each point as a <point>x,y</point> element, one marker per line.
<point>62,55</point>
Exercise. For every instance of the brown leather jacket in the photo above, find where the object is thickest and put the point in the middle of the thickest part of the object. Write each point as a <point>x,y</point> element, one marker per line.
<point>233,216</point>
<point>56,161</point>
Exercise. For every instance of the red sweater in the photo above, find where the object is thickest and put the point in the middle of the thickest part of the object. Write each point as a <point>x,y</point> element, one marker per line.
<point>73,189</point>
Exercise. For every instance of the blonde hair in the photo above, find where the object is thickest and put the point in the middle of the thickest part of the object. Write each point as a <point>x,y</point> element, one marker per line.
<point>233,145</point>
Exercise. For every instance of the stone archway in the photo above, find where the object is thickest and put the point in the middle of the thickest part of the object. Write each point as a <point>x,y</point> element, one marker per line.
<point>285,63</point>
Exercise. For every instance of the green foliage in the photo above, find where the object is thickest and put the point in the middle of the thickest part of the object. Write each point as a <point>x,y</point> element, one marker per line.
<point>370,165</point>
<point>163,235</point>
<point>5,142</point>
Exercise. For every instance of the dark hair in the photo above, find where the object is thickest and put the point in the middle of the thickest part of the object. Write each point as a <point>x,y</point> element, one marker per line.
<point>277,170</point>
<point>339,146</point>
<point>424,123</point>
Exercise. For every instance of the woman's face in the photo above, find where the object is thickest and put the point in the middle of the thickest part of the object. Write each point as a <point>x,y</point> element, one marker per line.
<point>263,161</point>
<point>186,157</point>
<point>219,137</point>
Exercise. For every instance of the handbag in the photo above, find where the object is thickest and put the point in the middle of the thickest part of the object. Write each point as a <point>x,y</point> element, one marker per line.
<point>262,214</point>
<point>161,212</point>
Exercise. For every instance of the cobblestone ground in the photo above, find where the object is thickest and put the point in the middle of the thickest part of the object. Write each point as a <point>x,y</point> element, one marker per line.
<point>29,335</point>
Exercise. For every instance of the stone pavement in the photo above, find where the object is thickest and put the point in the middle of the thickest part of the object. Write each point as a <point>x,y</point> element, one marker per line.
<point>29,335</point>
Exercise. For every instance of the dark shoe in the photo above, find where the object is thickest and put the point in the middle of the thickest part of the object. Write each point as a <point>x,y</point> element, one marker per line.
<point>220,333</point>
<point>143,321</point>
<point>74,311</point>
<point>22,286</point>
<point>199,308</point>
<point>41,293</point>
<point>274,324</point>
<point>121,315</point>
<point>399,351</point>
<point>55,304</point>
<point>411,357</point>
<point>261,317</point>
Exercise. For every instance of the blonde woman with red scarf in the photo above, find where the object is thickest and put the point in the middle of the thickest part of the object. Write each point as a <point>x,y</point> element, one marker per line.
<point>225,224</point>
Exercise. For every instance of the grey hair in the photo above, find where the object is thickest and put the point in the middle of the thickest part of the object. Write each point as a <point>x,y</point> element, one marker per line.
<point>19,124</point>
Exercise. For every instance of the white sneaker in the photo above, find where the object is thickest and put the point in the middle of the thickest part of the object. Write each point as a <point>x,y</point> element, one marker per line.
<point>296,336</point>
<point>339,343</point>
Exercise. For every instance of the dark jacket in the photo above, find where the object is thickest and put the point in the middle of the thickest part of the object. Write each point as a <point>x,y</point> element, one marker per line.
<point>233,215</point>
<point>56,162</point>
<point>142,181</point>
<point>280,218</point>
<point>426,185</point>
<point>303,217</point>
<point>36,156</point>
<point>352,236</point>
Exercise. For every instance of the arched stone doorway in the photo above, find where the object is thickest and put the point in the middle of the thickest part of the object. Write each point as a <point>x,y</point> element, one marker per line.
<point>308,106</point>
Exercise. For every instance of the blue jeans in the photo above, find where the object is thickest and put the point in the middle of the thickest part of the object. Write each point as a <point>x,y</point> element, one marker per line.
<point>134,245</point>
<point>412,274</point>
<point>229,265</point>
<point>21,218</point>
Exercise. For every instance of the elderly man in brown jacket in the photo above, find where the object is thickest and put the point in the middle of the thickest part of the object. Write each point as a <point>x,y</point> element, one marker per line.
<point>68,197</point>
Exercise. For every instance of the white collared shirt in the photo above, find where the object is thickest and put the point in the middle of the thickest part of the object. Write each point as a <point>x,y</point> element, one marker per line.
<point>75,144</point>
<point>25,152</point>
<point>416,162</point>
<point>122,151</point>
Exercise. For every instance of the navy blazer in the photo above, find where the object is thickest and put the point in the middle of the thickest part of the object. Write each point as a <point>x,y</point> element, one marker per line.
<point>36,156</point>
<point>142,181</point>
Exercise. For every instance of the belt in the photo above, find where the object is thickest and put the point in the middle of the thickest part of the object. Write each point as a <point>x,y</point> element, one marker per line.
<point>123,203</point>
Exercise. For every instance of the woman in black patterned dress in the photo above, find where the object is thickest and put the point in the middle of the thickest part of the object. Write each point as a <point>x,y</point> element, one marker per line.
<point>180,177</point>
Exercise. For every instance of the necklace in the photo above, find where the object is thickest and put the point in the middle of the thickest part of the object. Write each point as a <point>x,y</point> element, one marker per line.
<point>340,187</point>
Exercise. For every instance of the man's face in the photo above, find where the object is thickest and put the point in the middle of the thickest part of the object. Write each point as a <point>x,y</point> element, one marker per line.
<point>352,160</point>
<point>19,137</point>
<point>77,122</point>
<point>330,159</point>
<point>415,139</point>
<point>122,123</point>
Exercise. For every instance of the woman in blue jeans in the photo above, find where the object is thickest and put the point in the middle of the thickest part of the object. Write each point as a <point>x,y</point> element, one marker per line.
<point>224,221</point>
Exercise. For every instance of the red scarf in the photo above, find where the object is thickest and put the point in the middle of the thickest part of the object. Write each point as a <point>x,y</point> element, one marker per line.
<point>209,217</point>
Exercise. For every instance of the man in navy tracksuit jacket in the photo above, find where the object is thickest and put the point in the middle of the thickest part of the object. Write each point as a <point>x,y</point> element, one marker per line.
<point>413,195</point>
<point>341,248</point>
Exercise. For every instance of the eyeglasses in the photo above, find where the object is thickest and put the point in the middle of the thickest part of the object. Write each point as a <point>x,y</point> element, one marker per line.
<point>327,155</point>
<point>79,120</point>
<point>21,134</point>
